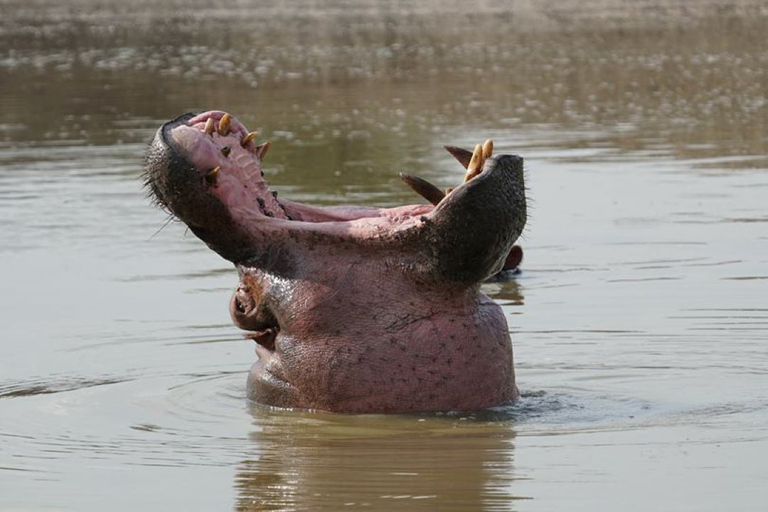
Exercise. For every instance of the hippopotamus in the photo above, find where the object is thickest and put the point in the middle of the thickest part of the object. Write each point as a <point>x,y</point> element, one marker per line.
<point>353,309</point>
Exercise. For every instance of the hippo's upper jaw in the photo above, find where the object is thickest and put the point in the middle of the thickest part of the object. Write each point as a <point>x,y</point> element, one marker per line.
<point>354,309</point>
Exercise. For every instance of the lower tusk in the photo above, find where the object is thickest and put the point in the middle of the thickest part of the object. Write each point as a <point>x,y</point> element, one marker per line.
<point>460,154</point>
<point>487,149</point>
<point>424,188</point>
<point>475,164</point>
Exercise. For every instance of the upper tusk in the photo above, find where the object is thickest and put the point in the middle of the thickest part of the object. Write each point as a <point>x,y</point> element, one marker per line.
<point>224,125</point>
<point>248,138</point>
<point>460,154</point>
<point>209,126</point>
<point>262,149</point>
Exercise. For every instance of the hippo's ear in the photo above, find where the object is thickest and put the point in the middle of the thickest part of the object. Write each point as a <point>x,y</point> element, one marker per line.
<point>470,233</point>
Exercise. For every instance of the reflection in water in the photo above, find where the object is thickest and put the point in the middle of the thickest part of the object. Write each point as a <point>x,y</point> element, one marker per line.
<point>505,289</point>
<point>22,389</point>
<point>324,462</point>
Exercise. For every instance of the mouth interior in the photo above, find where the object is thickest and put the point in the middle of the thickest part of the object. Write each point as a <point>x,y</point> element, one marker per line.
<point>230,163</point>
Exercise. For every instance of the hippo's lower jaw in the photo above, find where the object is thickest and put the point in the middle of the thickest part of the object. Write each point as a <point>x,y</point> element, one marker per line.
<point>353,309</point>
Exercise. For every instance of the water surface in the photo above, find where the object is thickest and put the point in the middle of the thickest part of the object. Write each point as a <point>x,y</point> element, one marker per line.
<point>640,320</point>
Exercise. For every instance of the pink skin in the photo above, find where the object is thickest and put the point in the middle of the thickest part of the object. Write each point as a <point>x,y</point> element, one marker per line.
<point>448,353</point>
<point>240,184</point>
<point>346,306</point>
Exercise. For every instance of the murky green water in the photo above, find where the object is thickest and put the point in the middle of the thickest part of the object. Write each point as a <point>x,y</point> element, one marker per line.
<point>640,322</point>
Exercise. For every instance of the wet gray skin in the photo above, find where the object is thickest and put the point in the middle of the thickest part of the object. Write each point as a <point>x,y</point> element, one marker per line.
<point>353,309</point>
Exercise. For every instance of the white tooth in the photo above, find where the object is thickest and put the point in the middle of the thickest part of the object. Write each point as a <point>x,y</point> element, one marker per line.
<point>248,138</point>
<point>475,164</point>
<point>209,126</point>
<point>210,176</point>
<point>261,150</point>
<point>487,149</point>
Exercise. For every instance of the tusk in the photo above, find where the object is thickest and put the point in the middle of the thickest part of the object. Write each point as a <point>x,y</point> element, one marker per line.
<point>475,164</point>
<point>460,154</point>
<point>424,188</point>
<point>210,176</point>
<point>487,149</point>
<point>209,126</point>
<point>262,149</point>
<point>224,125</point>
<point>248,138</point>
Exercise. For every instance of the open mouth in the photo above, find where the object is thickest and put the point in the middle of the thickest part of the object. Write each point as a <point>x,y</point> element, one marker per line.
<point>207,170</point>
<point>233,160</point>
<point>230,170</point>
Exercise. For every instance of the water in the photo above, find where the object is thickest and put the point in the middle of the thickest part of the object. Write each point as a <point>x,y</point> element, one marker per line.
<point>640,321</point>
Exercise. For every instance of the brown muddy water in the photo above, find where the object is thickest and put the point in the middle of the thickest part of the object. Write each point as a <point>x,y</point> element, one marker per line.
<point>640,321</point>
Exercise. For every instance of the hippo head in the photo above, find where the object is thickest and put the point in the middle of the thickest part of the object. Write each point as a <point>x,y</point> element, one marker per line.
<point>352,309</point>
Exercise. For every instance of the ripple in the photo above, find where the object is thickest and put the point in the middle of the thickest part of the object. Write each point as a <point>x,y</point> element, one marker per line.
<point>48,387</point>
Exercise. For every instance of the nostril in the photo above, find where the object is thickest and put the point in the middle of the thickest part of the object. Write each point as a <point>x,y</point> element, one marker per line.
<point>250,310</point>
<point>239,306</point>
